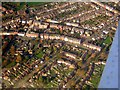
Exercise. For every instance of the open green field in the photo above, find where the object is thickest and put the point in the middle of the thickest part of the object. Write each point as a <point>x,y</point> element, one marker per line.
<point>11,64</point>
<point>35,3</point>
<point>22,5</point>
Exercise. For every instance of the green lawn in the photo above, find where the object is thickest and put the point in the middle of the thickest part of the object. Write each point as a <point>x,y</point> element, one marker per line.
<point>11,64</point>
<point>95,81</point>
<point>35,3</point>
<point>96,78</point>
<point>40,54</point>
<point>108,40</point>
<point>22,5</point>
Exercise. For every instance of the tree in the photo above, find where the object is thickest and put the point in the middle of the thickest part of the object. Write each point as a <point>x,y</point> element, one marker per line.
<point>46,58</point>
<point>27,11</point>
<point>10,36</point>
<point>80,72</point>
<point>103,55</point>
<point>12,50</point>
<point>59,55</point>
<point>93,55</point>
<point>70,83</point>
<point>80,63</point>
<point>54,48</point>
<point>4,63</point>
<point>19,58</point>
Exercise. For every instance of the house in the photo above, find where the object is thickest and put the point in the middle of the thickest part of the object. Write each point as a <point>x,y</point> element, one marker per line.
<point>73,40</point>
<point>88,33</point>
<point>106,32</point>
<point>30,22</point>
<point>8,33</point>
<point>70,55</point>
<point>46,36</point>
<point>54,26</point>
<point>36,23</point>
<point>62,37</point>
<point>72,24</point>
<point>91,46</point>
<point>80,30</point>
<point>43,26</point>
<point>23,22</point>
<point>113,28</point>
<point>21,12</point>
<point>52,21</point>
<point>66,28</point>
<point>32,34</point>
<point>66,63</point>
<point>3,9</point>
<point>41,36</point>
<point>51,37</point>
<point>21,34</point>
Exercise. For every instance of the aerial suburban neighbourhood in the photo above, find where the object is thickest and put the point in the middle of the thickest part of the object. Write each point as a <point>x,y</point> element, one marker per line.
<point>56,44</point>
